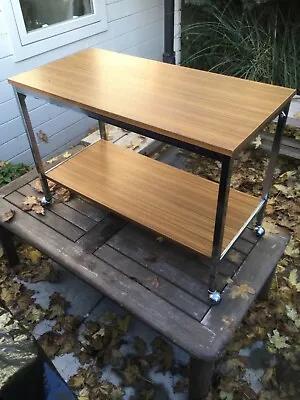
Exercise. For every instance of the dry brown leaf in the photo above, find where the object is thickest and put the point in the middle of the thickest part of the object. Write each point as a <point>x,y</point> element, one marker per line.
<point>270,226</point>
<point>2,164</point>
<point>58,306</point>
<point>155,282</point>
<point>32,254</point>
<point>38,209</point>
<point>67,154</point>
<point>52,160</point>
<point>234,257</point>
<point>38,186</point>
<point>297,115</point>
<point>42,135</point>
<point>243,290</point>
<point>133,145</point>
<point>61,195</point>
<point>8,215</point>
<point>257,142</point>
<point>29,202</point>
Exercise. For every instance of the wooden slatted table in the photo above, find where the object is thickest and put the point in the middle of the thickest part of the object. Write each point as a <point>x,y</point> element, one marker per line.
<point>160,282</point>
<point>207,113</point>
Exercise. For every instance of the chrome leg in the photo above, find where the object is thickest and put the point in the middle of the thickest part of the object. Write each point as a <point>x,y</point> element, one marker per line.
<point>34,147</point>
<point>259,230</point>
<point>224,188</point>
<point>102,130</point>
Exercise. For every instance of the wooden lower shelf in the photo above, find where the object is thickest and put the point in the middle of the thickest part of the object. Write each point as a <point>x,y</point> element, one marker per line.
<point>169,201</point>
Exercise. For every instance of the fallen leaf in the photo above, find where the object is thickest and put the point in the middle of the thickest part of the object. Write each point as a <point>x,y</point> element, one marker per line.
<point>293,279</point>
<point>84,394</point>
<point>133,145</point>
<point>49,344</point>
<point>77,381</point>
<point>66,154</point>
<point>292,249</point>
<point>61,195</point>
<point>287,175</point>
<point>155,282</point>
<point>46,272</point>
<point>297,115</point>
<point>116,393</point>
<point>277,342</point>
<point>123,323</point>
<point>162,353</point>
<point>100,332</point>
<point>269,375</point>
<point>1,252</point>
<point>9,291</point>
<point>67,323</point>
<point>147,394</point>
<point>226,395</point>
<point>2,164</point>
<point>292,314</point>
<point>42,135</point>
<point>140,346</point>
<point>257,142</point>
<point>31,254</point>
<point>234,257</point>
<point>29,202</point>
<point>270,226</point>
<point>52,160</point>
<point>8,215</point>
<point>58,306</point>
<point>33,314</point>
<point>243,290</point>
<point>38,209</point>
<point>130,374</point>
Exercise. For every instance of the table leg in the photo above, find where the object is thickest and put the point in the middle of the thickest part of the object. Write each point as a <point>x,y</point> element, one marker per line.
<point>224,188</point>
<point>102,130</point>
<point>200,378</point>
<point>271,168</point>
<point>9,246</point>
<point>34,147</point>
<point>265,290</point>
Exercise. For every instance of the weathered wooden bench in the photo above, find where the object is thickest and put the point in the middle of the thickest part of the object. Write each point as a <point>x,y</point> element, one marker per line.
<point>159,282</point>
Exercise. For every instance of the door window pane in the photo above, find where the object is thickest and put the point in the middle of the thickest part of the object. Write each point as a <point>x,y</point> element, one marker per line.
<point>42,13</point>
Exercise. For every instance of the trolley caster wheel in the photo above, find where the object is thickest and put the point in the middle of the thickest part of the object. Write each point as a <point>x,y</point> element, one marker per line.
<point>45,202</point>
<point>214,297</point>
<point>259,231</point>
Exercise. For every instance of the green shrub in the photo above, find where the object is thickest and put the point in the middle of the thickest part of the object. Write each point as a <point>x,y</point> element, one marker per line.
<point>9,172</point>
<point>245,43</point>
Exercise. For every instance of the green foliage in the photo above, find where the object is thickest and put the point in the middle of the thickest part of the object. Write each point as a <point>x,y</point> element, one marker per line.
<point>254,45</point>
<point>9,172</point>
<point>246,3</point>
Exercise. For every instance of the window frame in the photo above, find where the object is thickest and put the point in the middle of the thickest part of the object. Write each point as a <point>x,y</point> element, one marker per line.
<point>28,44</point>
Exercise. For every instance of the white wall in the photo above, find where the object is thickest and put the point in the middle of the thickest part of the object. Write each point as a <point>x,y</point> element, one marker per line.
<point>134,27</point>
<point>177,31</point>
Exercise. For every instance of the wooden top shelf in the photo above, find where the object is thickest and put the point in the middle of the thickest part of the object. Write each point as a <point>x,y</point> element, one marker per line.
<point>213,111</point>
<point>169,201</point>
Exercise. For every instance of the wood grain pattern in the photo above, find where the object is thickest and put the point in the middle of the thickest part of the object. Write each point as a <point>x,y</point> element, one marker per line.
<point>212,111</point>
<point>169,201</point>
